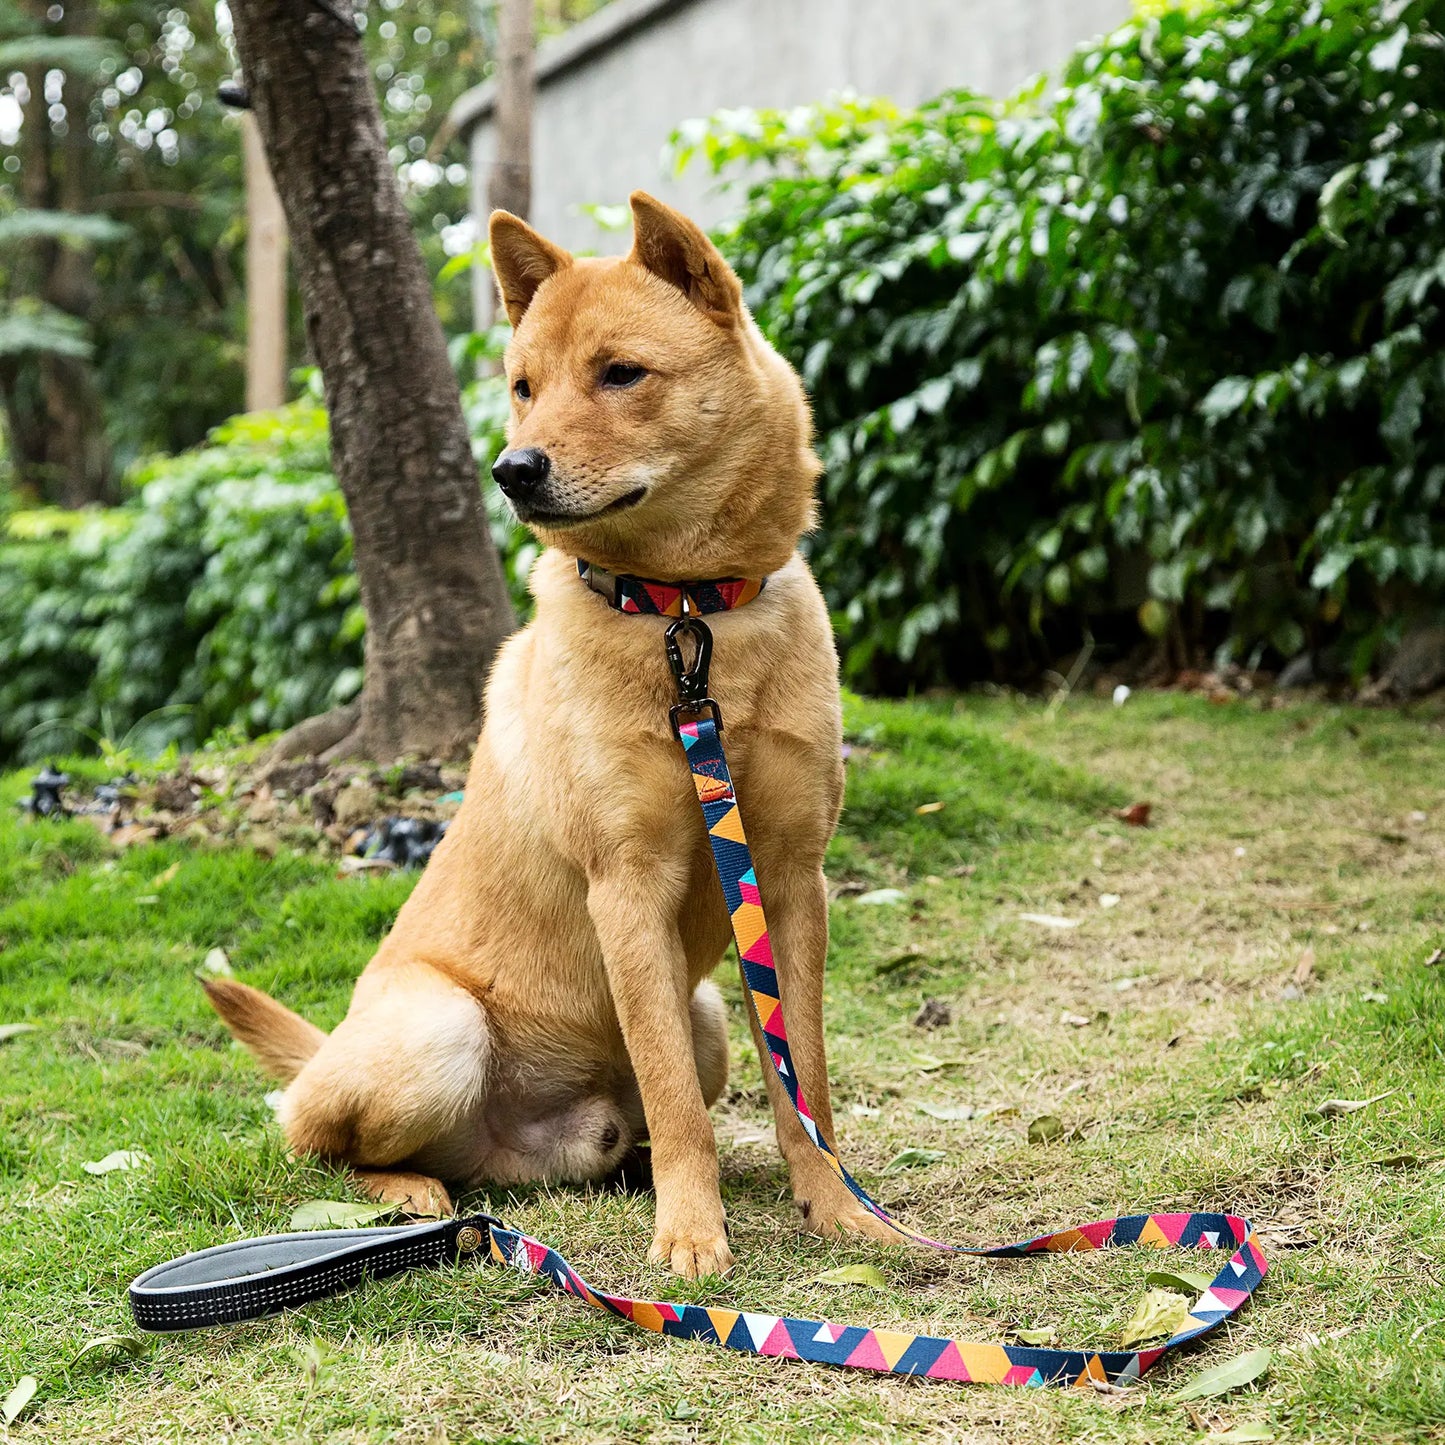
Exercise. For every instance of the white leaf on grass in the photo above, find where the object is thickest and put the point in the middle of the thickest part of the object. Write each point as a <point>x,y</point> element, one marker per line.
<point>882,896</point>
<point>949,1113</point>
<point>1243,1435</point>
<point>12,1031</point>
<point>337,1214</point>
<point>1049,920</point>
<point>1109,900</point>
<point>1231,1375</point>
<point>864,1274</point>
<point>117,1159</point>
<point>217,963</point>
<point>18,1398</point>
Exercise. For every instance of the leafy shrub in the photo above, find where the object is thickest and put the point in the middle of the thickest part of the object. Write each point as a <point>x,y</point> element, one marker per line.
<point>222,594</point>
<point>1166,345</point>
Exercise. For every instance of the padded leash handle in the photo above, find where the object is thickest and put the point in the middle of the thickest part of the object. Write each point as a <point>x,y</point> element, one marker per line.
<point>256,1277</point>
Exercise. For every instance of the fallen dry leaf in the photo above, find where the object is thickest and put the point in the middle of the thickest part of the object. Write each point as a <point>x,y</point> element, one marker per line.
<point>130,1345</point>
<point>1044,1335</point>
<point>11,1031</point>
<point>1231,1375</point>
<point>923,809</point>
<point>948,1113</point>
<point>912,1159</point>
<point>865,1274</point>
<point>18,1398</point>
<point>1160,1315</point>
<point>1045,1129</point>
<point>337,1214</point>
<point>1136,815</point>
<point>1049,920</point>
<point>1304,969</point>
<point>886,897</point>
<point>217,963</point>
<point>1180,1280</point>
<point>1331,1107</point>
<point>1435,958</point>
<point>117,1159</point>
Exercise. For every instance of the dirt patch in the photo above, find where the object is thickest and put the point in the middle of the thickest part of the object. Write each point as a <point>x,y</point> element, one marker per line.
<point>366,816</point>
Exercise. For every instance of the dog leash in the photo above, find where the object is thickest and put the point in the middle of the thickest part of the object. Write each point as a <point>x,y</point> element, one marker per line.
<point>256,1277</point>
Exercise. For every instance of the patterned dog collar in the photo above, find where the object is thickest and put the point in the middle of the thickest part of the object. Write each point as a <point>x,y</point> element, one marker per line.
<point>664,599</point>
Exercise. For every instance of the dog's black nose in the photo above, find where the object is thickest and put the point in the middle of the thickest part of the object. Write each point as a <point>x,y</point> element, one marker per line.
<point>520,472</point>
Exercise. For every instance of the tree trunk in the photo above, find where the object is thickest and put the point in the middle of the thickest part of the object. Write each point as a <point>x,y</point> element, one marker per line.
<point>509,187</point>
<point>436,603</point>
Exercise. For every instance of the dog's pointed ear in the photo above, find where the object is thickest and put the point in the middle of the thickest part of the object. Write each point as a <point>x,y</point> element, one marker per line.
<point>521,260</point>
<point>674,248</point>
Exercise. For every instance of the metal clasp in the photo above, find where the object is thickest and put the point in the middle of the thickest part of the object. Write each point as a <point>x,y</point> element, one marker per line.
<point>474,1232</point>
<point>692,680</point>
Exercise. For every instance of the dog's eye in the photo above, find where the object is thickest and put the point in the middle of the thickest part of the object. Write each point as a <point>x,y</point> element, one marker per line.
<point>523,390</point>
<point>622,373</point>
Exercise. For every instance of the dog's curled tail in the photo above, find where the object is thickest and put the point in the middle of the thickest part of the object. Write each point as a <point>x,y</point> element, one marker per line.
<point>278,1039</point>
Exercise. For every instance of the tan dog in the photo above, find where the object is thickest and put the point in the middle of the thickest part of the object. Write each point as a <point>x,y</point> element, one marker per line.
<point>542,1001</point>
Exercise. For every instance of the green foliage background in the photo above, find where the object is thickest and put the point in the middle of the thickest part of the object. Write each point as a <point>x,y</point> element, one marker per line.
<point>163,169</point>
<point>220,596</point>
<point>1161,353</point>
<point>1159,356</point>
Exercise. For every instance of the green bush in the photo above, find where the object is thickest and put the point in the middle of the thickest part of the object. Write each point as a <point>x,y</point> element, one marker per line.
<point>1162,352</point>
<point>221,595</point>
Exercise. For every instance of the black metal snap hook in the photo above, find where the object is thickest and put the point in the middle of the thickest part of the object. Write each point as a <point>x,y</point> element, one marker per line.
<point>692,681</point>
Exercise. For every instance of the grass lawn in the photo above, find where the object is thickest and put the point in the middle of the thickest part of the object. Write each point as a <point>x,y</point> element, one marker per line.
<point>1180,1033</point>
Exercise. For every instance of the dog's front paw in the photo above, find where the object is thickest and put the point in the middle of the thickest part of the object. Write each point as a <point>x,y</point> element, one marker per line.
<point>418,1195</point>
<point>692,1252</point>
<point>846,1218</point>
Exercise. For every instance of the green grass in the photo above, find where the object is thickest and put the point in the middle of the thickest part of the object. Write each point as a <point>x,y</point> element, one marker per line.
<point>1194,1083</point>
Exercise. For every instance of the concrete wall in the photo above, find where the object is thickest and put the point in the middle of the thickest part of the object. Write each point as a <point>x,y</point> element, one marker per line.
<point>613,89</point>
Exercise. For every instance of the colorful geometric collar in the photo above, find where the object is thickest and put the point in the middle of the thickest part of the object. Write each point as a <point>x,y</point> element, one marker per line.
<point>664,599</point>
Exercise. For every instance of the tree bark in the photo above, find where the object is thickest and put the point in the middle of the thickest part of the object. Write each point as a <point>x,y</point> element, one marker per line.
<point>436,602</point>
<point>265,277</point>
<point>509,186</point>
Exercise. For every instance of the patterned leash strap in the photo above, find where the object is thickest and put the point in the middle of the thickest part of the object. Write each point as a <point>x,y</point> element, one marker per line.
<point>926,1354</point>
<point>257,1277</point>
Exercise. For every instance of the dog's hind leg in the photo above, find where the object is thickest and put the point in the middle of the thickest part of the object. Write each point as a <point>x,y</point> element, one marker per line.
<point>397,1080</point>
